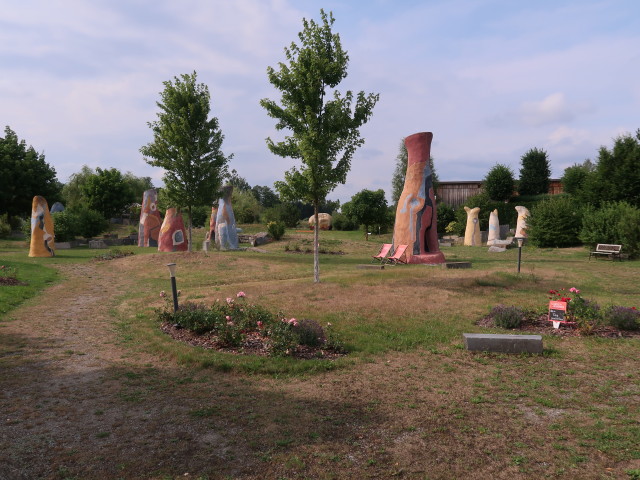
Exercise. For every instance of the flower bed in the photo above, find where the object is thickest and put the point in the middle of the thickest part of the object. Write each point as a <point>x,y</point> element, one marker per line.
<point>236,326</point>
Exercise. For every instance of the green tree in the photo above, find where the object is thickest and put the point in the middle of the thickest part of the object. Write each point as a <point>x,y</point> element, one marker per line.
<point>137,186</point>
<point>367,208</point>
<point>265,196</point>
<point>534,172</point>
<point>186,144</point>
<point>575,176</point>
<point>499,183</point>
<point>617,176</point>
<point>400,172</point>
<point>107,192</point>
<point>24,174</point>
<point>73,192</point>
<point>555,222</point>
<point>324,127</point>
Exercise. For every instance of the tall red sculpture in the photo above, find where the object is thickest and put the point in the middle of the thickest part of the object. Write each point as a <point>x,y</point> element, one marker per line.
<point>416,222</point>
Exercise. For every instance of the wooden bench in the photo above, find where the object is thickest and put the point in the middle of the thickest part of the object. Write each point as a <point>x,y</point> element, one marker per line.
<point>612,251</point>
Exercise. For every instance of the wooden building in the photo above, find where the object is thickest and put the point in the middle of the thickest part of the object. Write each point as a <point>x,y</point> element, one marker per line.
<point>455,194</point>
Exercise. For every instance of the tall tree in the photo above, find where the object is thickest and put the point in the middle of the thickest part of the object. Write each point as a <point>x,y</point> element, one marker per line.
<point>400,171</point>
<point>499,183</point>
<point>325,129</point>
<point>186,144</point>
<point>24,174</point>
<point>107,192</point>
<point>534,172</point>
<point>617,173</point>
<point>368,208</point>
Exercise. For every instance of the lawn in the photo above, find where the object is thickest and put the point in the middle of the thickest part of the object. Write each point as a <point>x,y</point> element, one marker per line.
<point>408,401</point>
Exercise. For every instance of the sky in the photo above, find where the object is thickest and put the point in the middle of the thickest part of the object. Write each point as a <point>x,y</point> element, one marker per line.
<point>79,80</point>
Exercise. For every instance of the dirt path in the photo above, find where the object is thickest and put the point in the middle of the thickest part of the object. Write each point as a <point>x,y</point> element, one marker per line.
<point>74,403</point>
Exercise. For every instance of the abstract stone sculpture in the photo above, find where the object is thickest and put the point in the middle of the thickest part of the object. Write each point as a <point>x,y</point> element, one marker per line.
<point>57,207</point>
<point>324,219</point>
<point>416,222</point>
<point>42,236</point>
<point>494,228</point>
<point>226,231</point>
<point>521,225</point>
<point>150,220</point>
<point>472,236</point>
<point>173,237</point>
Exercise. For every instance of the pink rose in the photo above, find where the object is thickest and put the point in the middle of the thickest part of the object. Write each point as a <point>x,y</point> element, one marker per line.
<point>241,294</point>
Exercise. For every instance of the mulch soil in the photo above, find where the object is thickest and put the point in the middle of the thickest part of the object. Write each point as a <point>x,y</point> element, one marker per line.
<point>253,344</point>
<point>541,325</point>
<point>11,281</point>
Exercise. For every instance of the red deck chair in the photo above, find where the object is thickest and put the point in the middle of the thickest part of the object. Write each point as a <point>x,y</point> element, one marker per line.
<point>384,251</point>
<point>398,256</point>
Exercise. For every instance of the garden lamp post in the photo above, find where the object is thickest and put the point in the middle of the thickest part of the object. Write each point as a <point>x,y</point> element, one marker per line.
<point>520,241</point>
<point>174,288</point>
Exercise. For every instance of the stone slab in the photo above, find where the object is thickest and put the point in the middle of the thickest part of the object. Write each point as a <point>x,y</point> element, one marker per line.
<point>501,343</point>
<point>370,267</point>
<point>456,265</point>
<point>63,245</point>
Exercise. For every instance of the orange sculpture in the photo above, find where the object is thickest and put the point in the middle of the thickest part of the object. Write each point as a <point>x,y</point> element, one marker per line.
<point>42,236</point>
<point>416,222</point>
<point>150,220</point>
<point>173,237</point>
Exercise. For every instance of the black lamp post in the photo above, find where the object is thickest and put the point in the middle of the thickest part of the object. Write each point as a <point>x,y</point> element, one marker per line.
<point>174,288</point>
<point>520,241</point>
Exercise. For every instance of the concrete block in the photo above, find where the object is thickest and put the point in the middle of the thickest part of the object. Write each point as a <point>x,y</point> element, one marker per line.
<point>456,265</point>
<point>491,342</point>
<point>373,266</point>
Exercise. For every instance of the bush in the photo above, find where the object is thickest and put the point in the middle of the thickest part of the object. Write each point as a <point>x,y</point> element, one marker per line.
<point>90,222</point>
<point>555,222</point>
<point>624,318</point>
<point>310,333</point>
<point>507,317</point>
<point>5,227</point>
<point>614,222</point>
<point>201,215</point>
<point>446,215</point>
<point>340,221</point>
<point>276,229</point>
<point>65,226</point>
<point>287,213</point>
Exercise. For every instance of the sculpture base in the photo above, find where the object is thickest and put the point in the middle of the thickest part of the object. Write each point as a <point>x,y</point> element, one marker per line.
<point>428,258</point>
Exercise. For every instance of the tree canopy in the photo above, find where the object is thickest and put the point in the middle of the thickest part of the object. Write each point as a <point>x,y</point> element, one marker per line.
<point>24,173</point>
<point>367,208</point>
<point>187,144</point>
<point>499,183</point>
<point>534,172</point>
<point>324,124</point>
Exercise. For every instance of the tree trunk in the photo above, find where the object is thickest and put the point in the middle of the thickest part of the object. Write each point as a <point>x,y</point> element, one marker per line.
<point>316,242</point>
<point>190,224</point>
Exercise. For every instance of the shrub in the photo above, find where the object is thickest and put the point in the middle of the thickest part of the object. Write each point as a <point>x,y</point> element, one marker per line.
<point>555,222</point>
<point>340,221</point>
<point>276,229</point>
<point>65,226</point>
<point>90,222</point>
<point>506,212</point>
<point>613,222</point>
<point>5,227</point>
<point>624,318</point>
<point>446,215</point>
<point>310,332</point>
<point>507,317</point>
<point>192,316</point>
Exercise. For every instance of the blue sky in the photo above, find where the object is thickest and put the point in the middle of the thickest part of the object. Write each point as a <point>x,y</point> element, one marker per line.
<point>491,79</point>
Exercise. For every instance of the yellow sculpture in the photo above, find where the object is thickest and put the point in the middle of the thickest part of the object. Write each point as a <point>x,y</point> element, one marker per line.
<point>472,237</point>
<point>521,225</point>
<point>324,219</point>
<point>42,236</point>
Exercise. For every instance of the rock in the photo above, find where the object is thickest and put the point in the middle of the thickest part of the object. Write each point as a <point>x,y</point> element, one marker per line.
<point>496,249</point>
<point>97,244</point>
<point>324,219</point>
<point>261,238</point>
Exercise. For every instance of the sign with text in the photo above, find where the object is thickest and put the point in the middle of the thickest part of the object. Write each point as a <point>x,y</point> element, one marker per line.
<point>557,311</point>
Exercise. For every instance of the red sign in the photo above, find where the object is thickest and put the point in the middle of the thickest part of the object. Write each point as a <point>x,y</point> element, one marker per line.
<point>557,311</point>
